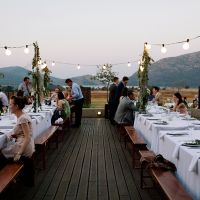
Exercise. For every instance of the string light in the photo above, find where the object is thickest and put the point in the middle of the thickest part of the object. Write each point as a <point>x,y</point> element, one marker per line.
<point>129,64</point>
<point>26,50</point>
<point>186,45</point>
<point>78,66</point>
<point>147,46</point>
<point>141,68</point>
<point>7,51</point>
<point>53,64</point>
<point>39,62</point>
<point>163,49</point>
<point>104,67</point>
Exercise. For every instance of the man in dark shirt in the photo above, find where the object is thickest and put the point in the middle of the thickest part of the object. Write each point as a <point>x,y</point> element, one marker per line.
<point>112,103</point>
<point>120,87</point>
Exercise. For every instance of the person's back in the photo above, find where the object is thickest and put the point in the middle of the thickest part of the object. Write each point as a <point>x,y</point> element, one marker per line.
<point>125,110</point>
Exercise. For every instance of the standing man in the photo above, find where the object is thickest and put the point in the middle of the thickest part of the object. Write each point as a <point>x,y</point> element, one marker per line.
<point>25,87</point>
<point>77,98</point>
<point>112,103</point>
<point>121,86</point>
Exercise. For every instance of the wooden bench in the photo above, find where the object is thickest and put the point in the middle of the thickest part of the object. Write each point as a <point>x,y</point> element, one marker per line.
<point>167,181</point>
<point>42,140</point>
<point>121,128</point>
<point>137,142</point>
<point>170,185</point>
<point>145,154</point>
<point>8,174</point>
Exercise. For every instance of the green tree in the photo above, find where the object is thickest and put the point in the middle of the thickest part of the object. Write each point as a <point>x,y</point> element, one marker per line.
<point>105,75</point>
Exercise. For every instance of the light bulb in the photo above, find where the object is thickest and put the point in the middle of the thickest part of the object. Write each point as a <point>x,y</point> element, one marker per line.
<point>39,62</point>
<point>53,63</point>
<point>163,49</point>
<point>7,51</point>
<point>147,46</point>
<point>26,50</point>
<point>78,66</point>
<point>139,62</point>
<point>186,45</point>
<point>129,64</point>
<point>104,67</point>
<point>141,68</point>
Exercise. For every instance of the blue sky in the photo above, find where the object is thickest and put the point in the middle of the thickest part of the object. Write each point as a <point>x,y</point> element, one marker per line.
<point>95,32</point>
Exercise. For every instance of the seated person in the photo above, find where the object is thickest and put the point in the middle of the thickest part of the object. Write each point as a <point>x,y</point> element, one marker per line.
<point>63,105</point>
<point>182,109</point>
<point>126,108</point>
<point>20,145</point>
<point>157,96</point>
<point>177,98</point>
<point>54,94</point>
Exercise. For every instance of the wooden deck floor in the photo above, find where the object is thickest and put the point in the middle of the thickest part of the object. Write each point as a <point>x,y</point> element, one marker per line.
<point>91,164</point>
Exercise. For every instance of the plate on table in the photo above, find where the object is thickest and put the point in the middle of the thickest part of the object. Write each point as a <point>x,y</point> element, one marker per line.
<point>153,119</point>
<point>161,123</point>
<point>191,145</point>
<point>196,123</point>
<point>189,119</point>
<point>177,133</point>
<point>147,115</point>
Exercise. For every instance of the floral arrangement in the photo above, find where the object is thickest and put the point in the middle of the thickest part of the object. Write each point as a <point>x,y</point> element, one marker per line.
<point>46,80</point>
<point>143,79</point>
<point>37,82</point>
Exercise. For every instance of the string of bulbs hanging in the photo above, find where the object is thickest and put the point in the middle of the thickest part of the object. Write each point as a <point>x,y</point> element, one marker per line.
<point>163,49</point>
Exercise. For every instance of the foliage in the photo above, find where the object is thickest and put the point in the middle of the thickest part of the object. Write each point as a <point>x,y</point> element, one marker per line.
<point>37,83</point>
<point>105,75</point>
<point>46,80</point>
<point>143,79</point>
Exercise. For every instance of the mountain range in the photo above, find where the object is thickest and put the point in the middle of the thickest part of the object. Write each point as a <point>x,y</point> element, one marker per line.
<point>179,71</point>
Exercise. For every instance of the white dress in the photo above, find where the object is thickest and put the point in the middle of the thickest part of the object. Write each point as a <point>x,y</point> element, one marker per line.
<point>13,147</point>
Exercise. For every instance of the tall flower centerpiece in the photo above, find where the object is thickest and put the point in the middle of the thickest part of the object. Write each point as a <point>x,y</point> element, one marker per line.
<point>143,78</point>
<point>46,80</point>
<point>37,82</point>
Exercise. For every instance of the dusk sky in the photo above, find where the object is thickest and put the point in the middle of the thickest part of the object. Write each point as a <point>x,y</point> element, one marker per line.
<point>95,32</point>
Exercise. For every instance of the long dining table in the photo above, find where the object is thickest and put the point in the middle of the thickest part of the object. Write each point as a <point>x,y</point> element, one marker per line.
<point>174,136</point>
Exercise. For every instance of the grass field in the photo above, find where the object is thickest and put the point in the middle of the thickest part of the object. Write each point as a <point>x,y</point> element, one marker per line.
<point>99,96</point>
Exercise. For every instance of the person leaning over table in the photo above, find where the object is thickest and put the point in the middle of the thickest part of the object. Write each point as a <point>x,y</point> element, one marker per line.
<point>78,100</point>
<point>126,108</point>
<point>179,104</point>
<point>63,105</point>
<point>20,145</point>
<point>25,87</point>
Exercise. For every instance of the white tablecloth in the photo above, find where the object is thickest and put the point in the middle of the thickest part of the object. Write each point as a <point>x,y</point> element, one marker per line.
<point>40,122</point>
<point>170,147</point>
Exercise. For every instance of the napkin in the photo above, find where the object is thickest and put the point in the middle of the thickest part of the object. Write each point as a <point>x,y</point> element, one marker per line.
<point>59,121</point>
<point>37,118</point>
<point>175,153</point>
<point>193,164</point>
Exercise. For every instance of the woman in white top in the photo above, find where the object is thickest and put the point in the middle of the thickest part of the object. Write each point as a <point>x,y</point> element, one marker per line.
<point>20,145</point>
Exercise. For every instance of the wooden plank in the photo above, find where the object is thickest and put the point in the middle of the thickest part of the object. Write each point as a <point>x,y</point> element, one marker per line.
<point>8,173</point>
<point>170,185</point>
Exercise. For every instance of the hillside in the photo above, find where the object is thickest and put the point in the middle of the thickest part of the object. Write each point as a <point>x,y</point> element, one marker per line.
<point>182,71</point>
<point>13,76</point>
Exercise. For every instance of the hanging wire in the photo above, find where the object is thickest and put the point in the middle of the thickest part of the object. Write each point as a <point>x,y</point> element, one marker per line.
<point>172,43</point>
<point>16,47</point>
